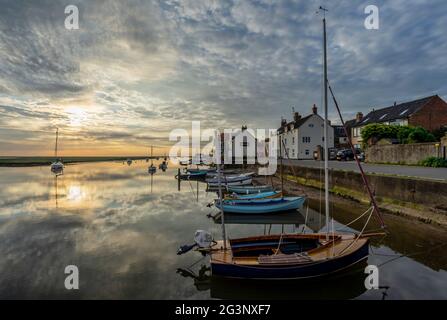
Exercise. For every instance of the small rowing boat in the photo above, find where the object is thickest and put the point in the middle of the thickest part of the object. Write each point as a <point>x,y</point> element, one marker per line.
<point>260,206</point>
<point>249,189</point>
<point>230,181</point>
<point>259,195</point>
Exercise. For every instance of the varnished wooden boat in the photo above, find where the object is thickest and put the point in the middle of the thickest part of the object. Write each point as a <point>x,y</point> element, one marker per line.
<point>287,256</point>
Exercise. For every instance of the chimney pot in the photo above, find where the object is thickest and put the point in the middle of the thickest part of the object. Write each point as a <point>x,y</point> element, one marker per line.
<point>314,109</point>
<point>296,116</point>
<point>395,104</point>
<point>359,117</point>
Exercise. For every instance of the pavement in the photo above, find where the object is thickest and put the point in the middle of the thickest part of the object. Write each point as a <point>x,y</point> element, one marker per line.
<point>439,174</point>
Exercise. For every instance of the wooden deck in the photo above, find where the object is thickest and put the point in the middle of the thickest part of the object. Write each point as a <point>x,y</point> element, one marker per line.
<point>341,246</point>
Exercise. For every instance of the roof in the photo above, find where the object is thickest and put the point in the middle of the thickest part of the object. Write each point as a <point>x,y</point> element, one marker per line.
<point>295,124</point>
<point>400,111</point>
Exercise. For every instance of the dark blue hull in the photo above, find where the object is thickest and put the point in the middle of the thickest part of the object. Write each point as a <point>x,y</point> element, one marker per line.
<point>309,270</point>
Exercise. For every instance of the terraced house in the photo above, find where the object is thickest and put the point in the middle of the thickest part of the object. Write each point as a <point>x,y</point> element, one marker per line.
<point>304,135</point>
<point>429,113</point>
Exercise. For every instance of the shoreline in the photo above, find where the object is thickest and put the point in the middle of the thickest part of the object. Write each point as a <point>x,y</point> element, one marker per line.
<point>293,187</point>
<point>17,162</point>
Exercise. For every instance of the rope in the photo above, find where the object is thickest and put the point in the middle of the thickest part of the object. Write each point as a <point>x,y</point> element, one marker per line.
<point>356,219</point>
<point>358,236</point>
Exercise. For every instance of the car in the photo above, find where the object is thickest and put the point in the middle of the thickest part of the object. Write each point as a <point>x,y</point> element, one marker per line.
<point>345,155</point>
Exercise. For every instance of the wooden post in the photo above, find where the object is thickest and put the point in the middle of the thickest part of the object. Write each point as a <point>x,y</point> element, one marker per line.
<point>178,179</point>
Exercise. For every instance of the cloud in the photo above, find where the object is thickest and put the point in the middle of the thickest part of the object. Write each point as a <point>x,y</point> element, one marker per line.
<point>152,66</point>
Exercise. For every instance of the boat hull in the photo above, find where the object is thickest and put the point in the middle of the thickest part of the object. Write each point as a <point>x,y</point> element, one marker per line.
<point>235,182</point>
<point>249,190</point>
<point>262,206</point>
<point>310,270</point>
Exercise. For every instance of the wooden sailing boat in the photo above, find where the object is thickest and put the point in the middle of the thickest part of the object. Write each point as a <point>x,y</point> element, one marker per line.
<point>152,169</point>
<point>292,256</point>
<point>57,166</point>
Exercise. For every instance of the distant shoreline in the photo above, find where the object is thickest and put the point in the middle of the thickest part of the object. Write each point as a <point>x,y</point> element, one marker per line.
<point>46,161</point>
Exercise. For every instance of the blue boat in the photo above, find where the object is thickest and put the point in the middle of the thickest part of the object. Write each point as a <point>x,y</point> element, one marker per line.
<point>192,175</point>
<point>260,195</point>
<point>260,206</point>
<point>249,189</point>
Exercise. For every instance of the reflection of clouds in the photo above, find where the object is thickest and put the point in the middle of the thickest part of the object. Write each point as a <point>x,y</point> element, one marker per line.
<point>122,237</point>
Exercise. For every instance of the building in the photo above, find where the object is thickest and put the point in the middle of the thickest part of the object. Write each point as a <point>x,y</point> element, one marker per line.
<point>429,113</point>
<point>304,135</point>
<point>243,149</point>
<point>341,139</point>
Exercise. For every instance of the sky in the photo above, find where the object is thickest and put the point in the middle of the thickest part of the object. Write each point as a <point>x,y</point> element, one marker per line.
<point>135,70</point>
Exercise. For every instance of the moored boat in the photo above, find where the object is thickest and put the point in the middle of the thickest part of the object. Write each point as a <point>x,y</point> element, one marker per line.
<point>249,189</point>
<point>261,206</point>
<point>259,195</point>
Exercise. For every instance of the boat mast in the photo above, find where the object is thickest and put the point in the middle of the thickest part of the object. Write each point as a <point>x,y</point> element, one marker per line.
<point>326,128</point>
<point>55,147</point>
<point>222,218</point>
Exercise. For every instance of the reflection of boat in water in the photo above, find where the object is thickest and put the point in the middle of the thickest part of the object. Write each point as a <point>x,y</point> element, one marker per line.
<point>348,285</point>
<point>129,162</point>
<point>152,169</point>
<point>57,167</point>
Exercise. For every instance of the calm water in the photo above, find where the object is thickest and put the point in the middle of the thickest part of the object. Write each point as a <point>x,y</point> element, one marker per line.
<point>122,229</point>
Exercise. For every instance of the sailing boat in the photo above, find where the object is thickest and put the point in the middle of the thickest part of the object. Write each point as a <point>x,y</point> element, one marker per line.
<point>290,256</point>
<point>57,166</point>
<point>152,169</point>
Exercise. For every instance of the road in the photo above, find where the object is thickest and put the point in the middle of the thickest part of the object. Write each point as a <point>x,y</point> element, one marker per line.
<point>409,171</point>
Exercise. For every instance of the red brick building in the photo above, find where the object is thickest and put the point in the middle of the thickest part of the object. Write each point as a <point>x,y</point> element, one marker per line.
<point>429,113</point>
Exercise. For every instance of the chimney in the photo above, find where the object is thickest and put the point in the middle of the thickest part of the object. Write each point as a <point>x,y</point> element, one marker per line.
<point>314,109</point>
<point>395,104</point>
<point>283,122</point>
<point>296,116</point>
<point>244,128</point>
<point>359,117</point>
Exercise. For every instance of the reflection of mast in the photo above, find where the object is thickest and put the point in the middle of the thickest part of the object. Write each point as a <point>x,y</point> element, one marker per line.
<point>55,190</point>
<point>152,181</point>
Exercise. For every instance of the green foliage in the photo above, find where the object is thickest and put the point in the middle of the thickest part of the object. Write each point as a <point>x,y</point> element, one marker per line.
<point>433,162</point>
<point>439,133</point>
<point>405,134</point>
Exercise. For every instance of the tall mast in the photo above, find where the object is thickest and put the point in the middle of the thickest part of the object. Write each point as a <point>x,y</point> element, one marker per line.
<point>222,218</point>
<point>55,147</point>
<point>326,130</point>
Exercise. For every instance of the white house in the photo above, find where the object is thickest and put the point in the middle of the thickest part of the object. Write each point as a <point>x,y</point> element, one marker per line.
<point>304,135</point>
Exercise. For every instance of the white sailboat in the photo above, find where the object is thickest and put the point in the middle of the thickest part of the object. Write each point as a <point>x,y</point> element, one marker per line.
<point>152,169</point>
<point>57,166</point>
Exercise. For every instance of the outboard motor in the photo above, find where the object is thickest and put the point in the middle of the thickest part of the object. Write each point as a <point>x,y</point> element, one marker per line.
<point>202,239</point>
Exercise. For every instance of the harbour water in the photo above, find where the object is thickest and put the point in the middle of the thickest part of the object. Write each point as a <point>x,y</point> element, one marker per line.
<point>121,227</point>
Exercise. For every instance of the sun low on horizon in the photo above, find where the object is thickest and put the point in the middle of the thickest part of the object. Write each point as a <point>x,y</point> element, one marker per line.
<point>132,72</point>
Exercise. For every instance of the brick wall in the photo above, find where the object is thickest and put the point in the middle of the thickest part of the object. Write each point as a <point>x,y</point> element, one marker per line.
<point>432,116</point>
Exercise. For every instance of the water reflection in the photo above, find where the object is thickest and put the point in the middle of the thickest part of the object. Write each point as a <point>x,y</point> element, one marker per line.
<point>122,227</point>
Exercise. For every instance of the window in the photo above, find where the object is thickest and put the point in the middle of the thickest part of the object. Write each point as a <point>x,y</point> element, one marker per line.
<point>306,139</point>
<point>311,125</point>
<point>293,140</point>
<point>307,152</point>
<point>293,152</point>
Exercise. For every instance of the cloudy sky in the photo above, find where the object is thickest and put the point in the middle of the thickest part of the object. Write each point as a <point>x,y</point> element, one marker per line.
<point>135,70</point>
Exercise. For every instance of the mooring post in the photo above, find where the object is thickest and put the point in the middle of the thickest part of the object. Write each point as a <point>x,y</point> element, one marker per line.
<point>178,179</point>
